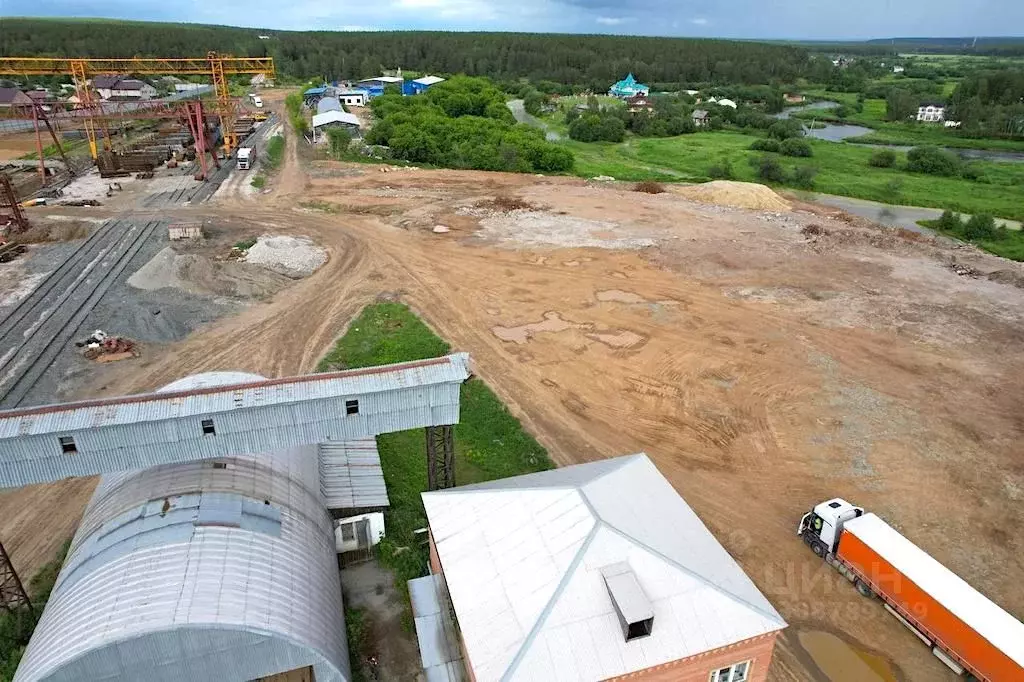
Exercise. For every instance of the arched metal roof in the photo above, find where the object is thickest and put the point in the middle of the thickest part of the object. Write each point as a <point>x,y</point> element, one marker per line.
<point>213,570</point>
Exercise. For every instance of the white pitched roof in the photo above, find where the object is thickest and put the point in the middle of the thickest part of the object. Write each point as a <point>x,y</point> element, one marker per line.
<point>522,559</point>
<point>334,116</point>
<point>383,79</point>
<point>429,80</point>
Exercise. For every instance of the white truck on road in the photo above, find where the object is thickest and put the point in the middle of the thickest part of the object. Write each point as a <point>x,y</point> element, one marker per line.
<point>246,158</point>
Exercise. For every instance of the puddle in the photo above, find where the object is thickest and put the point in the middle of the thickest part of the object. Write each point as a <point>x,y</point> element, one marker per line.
<point>618,339</point>
<point>619,296</point>
<point>842,662</point>
<point>552,322</point>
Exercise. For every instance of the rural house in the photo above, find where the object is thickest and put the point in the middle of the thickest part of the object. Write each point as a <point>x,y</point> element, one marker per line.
<point>119,88</point>
<point>700,118</point>
<point>332,119</point>
<point>597,571</point>
<point>639,103</point>
<point>420,85</point>
<point>353,97</point>
<point>13,96</point>
<point>793,98</point>
<point>931,112</point>
<point>628,87</point>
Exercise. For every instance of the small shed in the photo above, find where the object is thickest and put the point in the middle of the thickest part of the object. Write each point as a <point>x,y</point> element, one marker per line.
<point>353,97</point>
<point>314,95</point>
<point>415,87</point>
<point>700,118</point>
<point>330,119</point>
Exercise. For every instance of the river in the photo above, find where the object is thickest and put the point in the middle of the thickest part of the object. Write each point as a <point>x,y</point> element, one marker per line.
<point>833,132</point>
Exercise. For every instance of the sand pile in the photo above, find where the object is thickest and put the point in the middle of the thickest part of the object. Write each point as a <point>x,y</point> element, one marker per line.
<point>735,194</point>
<point>198,274</point>
<point>293,256</point>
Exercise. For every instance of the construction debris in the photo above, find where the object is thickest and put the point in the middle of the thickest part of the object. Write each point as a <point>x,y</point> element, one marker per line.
<point>9,252</point>
<point>102,347</point>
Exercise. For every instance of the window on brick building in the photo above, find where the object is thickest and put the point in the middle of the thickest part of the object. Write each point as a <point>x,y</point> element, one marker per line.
<point>737,672</point>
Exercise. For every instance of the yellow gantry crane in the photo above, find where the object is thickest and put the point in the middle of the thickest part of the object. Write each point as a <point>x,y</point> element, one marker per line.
<point>217,67</point>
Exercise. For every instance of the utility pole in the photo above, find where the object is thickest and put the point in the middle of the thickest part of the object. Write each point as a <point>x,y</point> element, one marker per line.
<point>12,593</point>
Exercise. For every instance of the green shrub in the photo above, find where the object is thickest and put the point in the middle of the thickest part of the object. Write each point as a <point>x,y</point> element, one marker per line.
<point>765,145</point>
<point>274,152</point>
<point>721,171</point>
<point>795,146</point>
<point>883,158</point>
<point>259,182</point>
<point>769,169</point>
<point>783,130</point>
<point>602,127</point>
<point>980,226</point>
<point>803,176</point>
<point>338,140</point>
<point>933,161</point>
<point>950,222</point>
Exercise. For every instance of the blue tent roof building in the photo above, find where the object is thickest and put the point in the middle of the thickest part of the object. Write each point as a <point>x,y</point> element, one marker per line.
<point>627,87</point>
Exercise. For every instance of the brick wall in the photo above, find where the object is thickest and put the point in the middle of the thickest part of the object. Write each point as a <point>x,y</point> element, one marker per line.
<point>698,668</point>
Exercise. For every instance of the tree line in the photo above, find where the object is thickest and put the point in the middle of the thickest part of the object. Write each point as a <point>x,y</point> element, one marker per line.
<point>589,61</point>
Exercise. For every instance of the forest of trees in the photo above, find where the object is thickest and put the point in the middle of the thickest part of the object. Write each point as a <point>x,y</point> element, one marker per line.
<point>588,61</point>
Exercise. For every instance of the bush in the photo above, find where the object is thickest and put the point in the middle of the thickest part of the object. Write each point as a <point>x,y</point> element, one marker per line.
<point>980,226</point>
<point>649,187</point>
<point>593,127</point>
<point>770,170</point>
<point>933,161</point>
<point>883,158</point>
<point>259,182</point>
<point>950,222</point>
<point>721,171</point>
<point>795,146</point>
<point>338,140</point>
<point>783,130</point>
<point>803,176</point>
<point>765,145</point>
<point>274,152</point>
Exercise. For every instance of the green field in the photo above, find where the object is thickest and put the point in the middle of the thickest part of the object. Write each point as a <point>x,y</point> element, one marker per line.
<point>489,442</point>
<point>842,169</point>
<point>1010,246</point>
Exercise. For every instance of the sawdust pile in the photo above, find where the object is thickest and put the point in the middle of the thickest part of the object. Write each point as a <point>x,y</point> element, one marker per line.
<point>736,194</point>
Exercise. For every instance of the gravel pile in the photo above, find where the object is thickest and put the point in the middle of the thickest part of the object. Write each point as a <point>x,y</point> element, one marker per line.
<point>292,256</point>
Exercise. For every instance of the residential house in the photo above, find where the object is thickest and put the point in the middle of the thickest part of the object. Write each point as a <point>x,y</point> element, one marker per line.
<point>639,103</point>
<point>415,87</point>
<point>931,112</point>
<point>598,571</point>
<point>331,119</point>
<point>793,98</point>
<point>12,96</point>
<point>628,87</point>
<point>692,93</point>
<point>120,88</point>
<point>700,118</point>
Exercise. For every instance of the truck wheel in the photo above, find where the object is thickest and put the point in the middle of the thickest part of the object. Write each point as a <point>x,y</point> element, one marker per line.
<point>818,548</point>
<point>864,589</point>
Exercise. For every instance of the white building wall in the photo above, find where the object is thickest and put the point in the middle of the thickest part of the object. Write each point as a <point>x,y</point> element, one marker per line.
<point>376,520</point>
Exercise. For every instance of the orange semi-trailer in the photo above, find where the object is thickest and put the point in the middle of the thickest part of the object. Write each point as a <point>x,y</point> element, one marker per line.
<point>963,628</point>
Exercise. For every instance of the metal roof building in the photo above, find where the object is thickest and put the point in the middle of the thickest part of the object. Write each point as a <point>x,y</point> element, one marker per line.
<point>50,442</point>
<point>588,572</point>
<point>220,570</point>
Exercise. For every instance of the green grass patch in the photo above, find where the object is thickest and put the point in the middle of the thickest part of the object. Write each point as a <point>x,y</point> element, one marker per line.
<point>245,244</point>
<point>1010,246</point>
<point>358,632</point>
<point>274,152</point>
<point>842,169</point>
<point>16,627</point>
<point>259,182</point>
<point>490,443</point>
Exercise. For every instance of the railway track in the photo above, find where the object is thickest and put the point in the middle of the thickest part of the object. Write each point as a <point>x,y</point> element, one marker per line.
<point>35,331</point>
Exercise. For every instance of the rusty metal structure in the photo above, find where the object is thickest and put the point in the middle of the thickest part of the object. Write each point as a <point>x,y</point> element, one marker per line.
<point>12,592</point>
<point>440,457</point>
<point>217,67</point>
<point>10,210</point>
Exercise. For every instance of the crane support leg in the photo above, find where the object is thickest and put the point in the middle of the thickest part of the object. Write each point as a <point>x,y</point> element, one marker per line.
<point>440,458</point>
<point>12,593</point>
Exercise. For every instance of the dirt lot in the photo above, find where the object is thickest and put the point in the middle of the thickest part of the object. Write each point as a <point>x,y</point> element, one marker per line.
<point>765,365</point>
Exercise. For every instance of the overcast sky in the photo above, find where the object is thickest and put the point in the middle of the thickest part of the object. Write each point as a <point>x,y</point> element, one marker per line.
<point>803,19</point>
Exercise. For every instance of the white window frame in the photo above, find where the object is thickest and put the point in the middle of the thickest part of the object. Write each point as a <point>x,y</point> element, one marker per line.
<point>351,528</point>
<point>732,672</point>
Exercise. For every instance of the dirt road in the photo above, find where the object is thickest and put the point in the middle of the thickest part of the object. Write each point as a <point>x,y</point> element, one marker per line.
<point>762,367</point>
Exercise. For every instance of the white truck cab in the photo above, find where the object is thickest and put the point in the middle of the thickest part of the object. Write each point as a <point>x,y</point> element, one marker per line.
<point>821,526</point>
